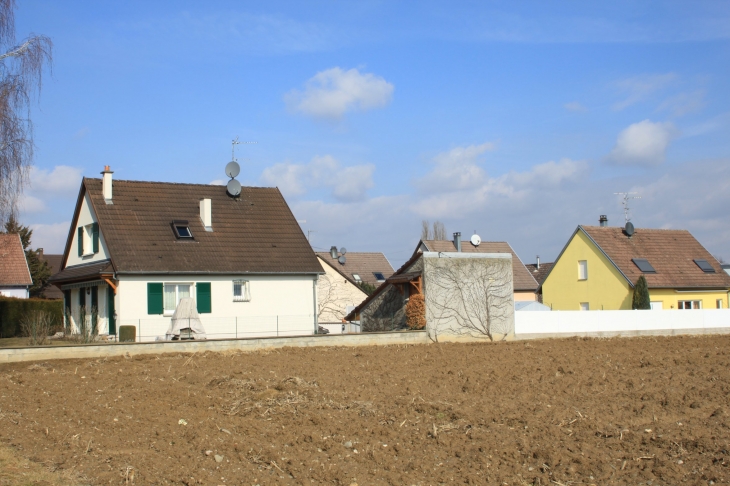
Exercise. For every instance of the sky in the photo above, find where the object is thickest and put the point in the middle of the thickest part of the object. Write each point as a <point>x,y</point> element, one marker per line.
<point>515,120</point>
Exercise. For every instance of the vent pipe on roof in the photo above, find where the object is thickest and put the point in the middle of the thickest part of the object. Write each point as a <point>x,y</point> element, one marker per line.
<point>538,262</point>
<point>106,184</point>
<point>603,220</point>
<point>333,252</point>
<point>206,214</point>
<point>457,241</point>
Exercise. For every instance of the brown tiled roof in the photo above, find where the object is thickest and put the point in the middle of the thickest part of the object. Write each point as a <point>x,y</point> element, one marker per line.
<point>54,263</point>
<point>365,264</point>
<point>13,265</point>
<point>523,281</point>
<point>670,252</point>
<point>86,271</point>
<point>255,233</point>
<point>539,274</point>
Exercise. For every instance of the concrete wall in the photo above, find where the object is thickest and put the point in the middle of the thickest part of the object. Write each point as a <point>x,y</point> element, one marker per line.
<point>531,325</point>
<point>334,294</point>
<point>468,295</point>
<point>13,355</point>
<point>86,216</point>
<point>281,305</point>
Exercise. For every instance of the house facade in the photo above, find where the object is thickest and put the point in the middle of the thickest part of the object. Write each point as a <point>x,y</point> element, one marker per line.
<point>15,279</point>
<point>136,248</point>
<point>599,266</point>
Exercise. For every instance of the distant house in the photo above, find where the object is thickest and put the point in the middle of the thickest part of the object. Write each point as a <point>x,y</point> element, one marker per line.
<point>54,264</point>
<point>539,271</point>
<point>15,279</point>
<point>525,284</point>
<point>726,267</point>
<point>340,289</point>
<point>136,248</point>
<point>599,266</point>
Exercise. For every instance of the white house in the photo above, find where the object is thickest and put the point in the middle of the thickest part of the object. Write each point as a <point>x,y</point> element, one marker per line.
<point>136,248</point>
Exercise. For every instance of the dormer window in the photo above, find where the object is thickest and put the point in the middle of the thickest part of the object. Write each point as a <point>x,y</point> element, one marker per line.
<point>182,230</point>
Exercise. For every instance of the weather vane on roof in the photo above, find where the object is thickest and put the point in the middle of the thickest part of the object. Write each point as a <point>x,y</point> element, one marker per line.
<point>625,202</point>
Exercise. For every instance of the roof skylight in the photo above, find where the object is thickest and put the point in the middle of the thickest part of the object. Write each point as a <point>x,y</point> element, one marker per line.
<point>356,277</point>
<point>379,276</point>
<point>643,265</point>
<point>705,266</point>
<point>182,230</point>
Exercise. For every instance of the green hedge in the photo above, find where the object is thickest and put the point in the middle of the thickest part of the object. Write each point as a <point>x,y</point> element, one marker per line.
<point>12,310</point>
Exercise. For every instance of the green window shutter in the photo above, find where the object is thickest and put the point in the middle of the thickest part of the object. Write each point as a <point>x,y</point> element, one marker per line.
<point>81,240</point>
<point>203,299</point>
<point>95,237</point>
<point>154,298</point>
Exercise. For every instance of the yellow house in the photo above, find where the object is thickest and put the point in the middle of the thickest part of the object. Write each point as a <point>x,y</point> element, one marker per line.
<point>599,266</point>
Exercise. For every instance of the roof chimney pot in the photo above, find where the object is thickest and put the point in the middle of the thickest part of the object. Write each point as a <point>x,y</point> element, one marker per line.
<point>538,262</point>
<point>603,220</point>
<point>333,252</point>
<point>106,184</point>
<point>457,241</point>
<point>206,214</point>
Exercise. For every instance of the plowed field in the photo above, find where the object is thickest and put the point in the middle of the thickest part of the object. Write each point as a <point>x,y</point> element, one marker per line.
<point>593,411</point>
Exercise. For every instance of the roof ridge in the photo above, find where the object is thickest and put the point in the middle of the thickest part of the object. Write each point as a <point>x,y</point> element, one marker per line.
<point>636,229</point>
<point>176,183</point>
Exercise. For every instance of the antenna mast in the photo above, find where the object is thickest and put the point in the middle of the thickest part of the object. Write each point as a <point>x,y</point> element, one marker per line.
<point>235,142</point>
<point>626,197</point>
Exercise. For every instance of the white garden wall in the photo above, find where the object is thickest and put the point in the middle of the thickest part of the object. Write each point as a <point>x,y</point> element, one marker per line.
<point>531,325</point>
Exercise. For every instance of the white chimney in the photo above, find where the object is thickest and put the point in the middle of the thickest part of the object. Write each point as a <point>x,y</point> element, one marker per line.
<point>206,214</point>
<point>106,187</point>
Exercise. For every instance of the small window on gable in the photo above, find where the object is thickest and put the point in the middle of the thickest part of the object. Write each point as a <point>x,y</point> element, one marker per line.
<point>182,230</point>
<point>643,265</point>
<point>356,277</point>
<point>379,276</point>
<point>705,266</point>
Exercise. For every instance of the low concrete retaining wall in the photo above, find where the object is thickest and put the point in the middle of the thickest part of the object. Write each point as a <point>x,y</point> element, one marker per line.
<point>43,353</point>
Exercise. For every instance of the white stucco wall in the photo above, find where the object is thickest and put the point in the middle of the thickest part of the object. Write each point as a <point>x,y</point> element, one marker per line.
<point>86,216</point>
<point>103,322</point>
<point>17,292</point>
<point>280,305</point>
<point>334,294</point>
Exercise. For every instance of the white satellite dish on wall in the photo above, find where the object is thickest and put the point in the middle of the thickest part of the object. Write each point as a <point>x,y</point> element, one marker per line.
<point>475,240</point>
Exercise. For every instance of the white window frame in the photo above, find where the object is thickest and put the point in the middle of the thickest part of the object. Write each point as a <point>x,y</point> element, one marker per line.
<point>169,312</point>
<point>720,303</point>
<point>694,304</point>
<point>88,239</point>
<point>356,277</point>
<point>582,269</point>
<point>245,287</point>
<point>657,305</point>
<point>584,306</point>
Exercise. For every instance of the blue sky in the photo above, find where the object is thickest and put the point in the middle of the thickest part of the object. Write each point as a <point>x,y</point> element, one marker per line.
<point>517,122</point>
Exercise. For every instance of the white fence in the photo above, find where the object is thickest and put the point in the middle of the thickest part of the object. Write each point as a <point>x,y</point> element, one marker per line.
<point>622,322</point>
<point>154,329</point>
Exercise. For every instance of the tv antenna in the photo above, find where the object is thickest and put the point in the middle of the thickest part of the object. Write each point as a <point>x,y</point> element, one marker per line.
<point>235,142</point>
<point>626,197</point>
<point>233,188</point>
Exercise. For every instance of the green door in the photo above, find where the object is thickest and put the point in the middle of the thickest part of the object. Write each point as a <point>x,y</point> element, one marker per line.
<point>110,311</point>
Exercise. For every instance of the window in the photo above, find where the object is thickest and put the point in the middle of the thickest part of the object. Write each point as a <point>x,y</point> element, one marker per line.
<point>182,230</point>
<point>705,266</point>
<point>643,265</point>
<point>689,304</point>
<point>173,294</point>
<point>584,306</point>
<point>582,270</point>
<point>241,291</point>
<point>88,239</point>
<point>718,303</point>
<point>657,305</point>
<point>357,277</point>
<point>379,276</point>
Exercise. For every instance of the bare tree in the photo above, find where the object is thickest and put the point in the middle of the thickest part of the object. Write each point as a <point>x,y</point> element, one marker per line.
<point>426,233</point>
<point>21,69</point>
<point>439,230</point>
<point>470,297</point>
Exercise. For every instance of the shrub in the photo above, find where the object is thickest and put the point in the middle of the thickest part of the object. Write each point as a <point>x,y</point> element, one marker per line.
<point>416,312</point>
<point>12,311</point>
<point>641,299</point>
<point>37,326</point>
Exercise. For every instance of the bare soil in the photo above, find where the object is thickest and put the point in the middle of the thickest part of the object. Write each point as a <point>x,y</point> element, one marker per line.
<point>577,411</point>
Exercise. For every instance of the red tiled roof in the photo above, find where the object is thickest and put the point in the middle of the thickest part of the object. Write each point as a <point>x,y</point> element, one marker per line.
<point>14,270</point>
<point>670,252</point>
<point>522,279</point>
<point>539,274</point>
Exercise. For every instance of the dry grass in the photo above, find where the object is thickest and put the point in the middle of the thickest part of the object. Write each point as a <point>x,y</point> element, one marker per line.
<point>17,471</point>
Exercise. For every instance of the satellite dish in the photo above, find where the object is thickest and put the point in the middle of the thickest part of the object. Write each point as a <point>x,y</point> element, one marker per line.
<point>342,259</point>
<point>629,229</point>
<point>232,169</point>
<point>475,240</point>
<point>343,250</point>
<point>233,187</point>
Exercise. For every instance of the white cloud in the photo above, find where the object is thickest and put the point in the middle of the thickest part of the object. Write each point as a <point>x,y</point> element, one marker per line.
<point>455,170</point>
<point>639,88</point>
<point>30,204</point>
<point>346,183</point>
<point>575,107</point>
<point>50,237</point>
<point>333,92</point>
<point>684,103</point>
<point>644,143</point>
<point>62,181</point>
